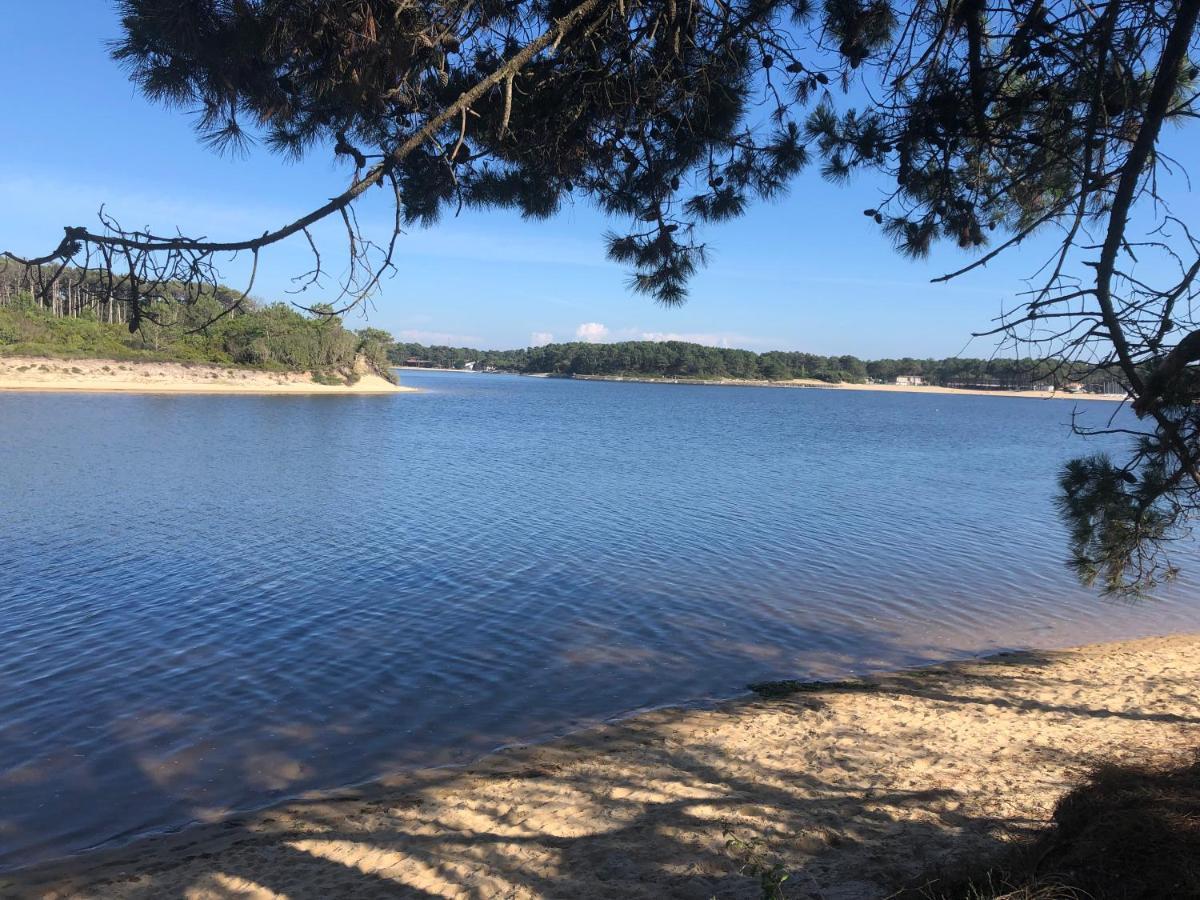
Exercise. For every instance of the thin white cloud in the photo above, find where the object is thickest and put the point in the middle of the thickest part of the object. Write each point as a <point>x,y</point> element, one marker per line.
<point>540,339</point>
<point>77,203</point>
<point>421,336</point>
<point>511,247</point>
<point>790,275</point>
<point>723,339</point>
<point>592,332</point>
<point>707,338</point>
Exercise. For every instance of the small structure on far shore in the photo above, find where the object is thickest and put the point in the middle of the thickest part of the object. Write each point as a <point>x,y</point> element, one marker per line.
<point>910,380</point>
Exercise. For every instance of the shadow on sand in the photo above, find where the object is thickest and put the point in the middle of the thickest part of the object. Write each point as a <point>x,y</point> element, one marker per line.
<point>853,788</point>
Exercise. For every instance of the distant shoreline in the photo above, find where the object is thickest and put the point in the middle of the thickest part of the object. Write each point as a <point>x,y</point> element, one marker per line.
<point>30,374</point>
<point>801,383</point>
<point>851,386</point>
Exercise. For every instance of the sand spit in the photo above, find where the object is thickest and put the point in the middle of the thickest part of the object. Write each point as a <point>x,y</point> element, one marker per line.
<point>848,386</point>
<point>854,789</point>
<point>21,373</point>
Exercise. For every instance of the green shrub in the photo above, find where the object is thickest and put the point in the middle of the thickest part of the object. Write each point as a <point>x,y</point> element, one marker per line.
<point>275,337</point>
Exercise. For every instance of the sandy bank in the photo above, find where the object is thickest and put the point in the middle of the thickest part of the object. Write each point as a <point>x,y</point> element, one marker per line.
<point>18,373</point>
<point>854,789</point>
<point>846,386</point>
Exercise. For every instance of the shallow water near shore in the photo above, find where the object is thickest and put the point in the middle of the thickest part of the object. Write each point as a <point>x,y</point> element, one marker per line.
<point>210,603</point>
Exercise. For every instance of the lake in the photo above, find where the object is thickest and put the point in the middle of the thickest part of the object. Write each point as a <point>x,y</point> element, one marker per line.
<point>212,603</point>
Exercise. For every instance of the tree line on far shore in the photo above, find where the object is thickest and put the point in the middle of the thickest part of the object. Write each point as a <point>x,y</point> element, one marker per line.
<point>679,359</point>
<point>81,317</point>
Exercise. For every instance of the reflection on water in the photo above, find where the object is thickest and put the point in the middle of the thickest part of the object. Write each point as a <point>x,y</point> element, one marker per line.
<point>213,602</point>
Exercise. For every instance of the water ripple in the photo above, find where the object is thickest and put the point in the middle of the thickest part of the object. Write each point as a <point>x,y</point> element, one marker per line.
<point>210,603</point>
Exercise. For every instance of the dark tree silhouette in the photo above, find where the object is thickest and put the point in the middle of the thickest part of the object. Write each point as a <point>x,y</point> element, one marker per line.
<point>996,119</point>
<point>1016,117</point>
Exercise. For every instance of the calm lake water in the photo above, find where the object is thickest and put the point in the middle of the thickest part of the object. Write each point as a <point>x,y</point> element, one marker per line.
<point>211,603</point>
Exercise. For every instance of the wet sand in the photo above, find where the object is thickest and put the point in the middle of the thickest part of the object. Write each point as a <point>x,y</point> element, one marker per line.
<point>855,788</point>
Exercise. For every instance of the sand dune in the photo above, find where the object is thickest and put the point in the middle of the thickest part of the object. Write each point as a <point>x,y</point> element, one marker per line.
<point>854,789</point>
<point>22,373</point>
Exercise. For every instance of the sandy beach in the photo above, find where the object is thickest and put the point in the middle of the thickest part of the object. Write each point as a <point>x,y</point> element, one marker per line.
<point>21,373</point>
<point>856,789</point>
<point>936,389</point>
<point>849,386</point>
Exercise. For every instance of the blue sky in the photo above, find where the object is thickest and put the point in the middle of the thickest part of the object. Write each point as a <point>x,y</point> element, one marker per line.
<point>809,272</point>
